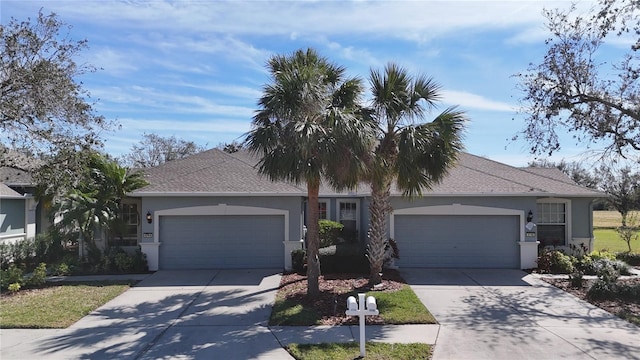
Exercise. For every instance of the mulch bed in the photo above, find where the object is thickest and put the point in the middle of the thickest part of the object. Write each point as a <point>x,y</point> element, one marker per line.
<point>614,306</point>
<point>334,291</point>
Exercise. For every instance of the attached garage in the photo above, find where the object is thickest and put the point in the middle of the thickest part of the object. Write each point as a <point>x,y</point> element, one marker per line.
<point>458,236</point>
<point>221,237</point>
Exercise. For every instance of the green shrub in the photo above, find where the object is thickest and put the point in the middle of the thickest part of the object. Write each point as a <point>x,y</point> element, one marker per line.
<point>123,262</point>
<point>39,276</point>
<point>603,254</point>
<point>28,253</point>
<point>61,269</point>
<point>555,262</point>
<point>297,260</point>
<point>12,275</point>
<point>343,258</point>
<point>632,259</point>
<point>576,278</point>
<point>330,232</point>
<point>139,261</point>
<point>14,287</point>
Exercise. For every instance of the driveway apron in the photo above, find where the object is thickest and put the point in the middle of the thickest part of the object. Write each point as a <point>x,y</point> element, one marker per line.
<point>509,314</point>
<point>204,314</point>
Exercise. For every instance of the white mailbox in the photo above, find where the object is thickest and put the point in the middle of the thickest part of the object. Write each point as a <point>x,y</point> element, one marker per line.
<point>361,308</point>
<point>371,303</point>
<point>352,305</point>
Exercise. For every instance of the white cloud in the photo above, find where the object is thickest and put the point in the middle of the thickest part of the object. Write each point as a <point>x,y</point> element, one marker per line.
<point>113,61</point>
<point>411,20</point>
<point>468,100</point>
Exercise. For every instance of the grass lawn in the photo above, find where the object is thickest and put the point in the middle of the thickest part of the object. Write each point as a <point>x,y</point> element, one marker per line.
<point>609,219</point>
<point>610,240</point>
<point>56,306</point>
<point>397,305</point>
<point>350,351</point>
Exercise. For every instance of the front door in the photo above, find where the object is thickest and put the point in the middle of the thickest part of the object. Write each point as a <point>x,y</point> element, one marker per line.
<point>349,216</point>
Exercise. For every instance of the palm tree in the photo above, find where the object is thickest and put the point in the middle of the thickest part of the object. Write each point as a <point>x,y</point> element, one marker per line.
<point>307,129</point>
<point>95,202</point>
<point>414,154</point>
<point>115,182</point>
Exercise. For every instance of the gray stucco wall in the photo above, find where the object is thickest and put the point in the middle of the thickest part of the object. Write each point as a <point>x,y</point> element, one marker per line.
<point>292,204</point>
<point>582,216</point>
<point>12,214</point>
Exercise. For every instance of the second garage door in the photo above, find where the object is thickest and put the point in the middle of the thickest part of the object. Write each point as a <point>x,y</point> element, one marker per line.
<point>218,242</point>
<point>466,241</point>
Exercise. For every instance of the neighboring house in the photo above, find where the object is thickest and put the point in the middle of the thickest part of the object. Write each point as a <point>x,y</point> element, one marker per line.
<point>17,215</point>
<point>213,210</point>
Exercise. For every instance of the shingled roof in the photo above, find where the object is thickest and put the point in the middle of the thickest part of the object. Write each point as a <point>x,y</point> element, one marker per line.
<point>215,172</point>
<point>8,193</point>
<point>211,172</point>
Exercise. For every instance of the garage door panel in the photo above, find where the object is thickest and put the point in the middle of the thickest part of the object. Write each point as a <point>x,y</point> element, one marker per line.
<point>230,241</point>
<point>458,241</point>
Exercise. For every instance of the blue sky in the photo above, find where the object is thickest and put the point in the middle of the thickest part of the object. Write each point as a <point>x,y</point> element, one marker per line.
<point>194,69</point>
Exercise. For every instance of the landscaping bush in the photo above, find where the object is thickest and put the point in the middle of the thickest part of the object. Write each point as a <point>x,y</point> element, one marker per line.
<point>555,262</point>
<point>28,253</point>
<point>12,275</point>
<point>605,287</point>
<point>343,258</point>
<point>116,260</point>
<point>38,277</point>
<point>297,260</point>
<point>632,259</point>
<point>603,254</point>
<point>576,278</point>
<point>330,232</point>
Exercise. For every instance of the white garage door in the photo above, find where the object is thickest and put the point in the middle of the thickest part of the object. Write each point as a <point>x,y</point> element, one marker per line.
<point>466,241</point>
<point>220,242</point>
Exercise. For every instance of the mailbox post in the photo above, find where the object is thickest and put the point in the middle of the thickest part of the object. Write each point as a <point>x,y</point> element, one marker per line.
<point>361,308</point>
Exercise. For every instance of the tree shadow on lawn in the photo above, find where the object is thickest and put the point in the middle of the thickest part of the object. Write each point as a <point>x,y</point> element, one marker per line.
<point>167,324</point>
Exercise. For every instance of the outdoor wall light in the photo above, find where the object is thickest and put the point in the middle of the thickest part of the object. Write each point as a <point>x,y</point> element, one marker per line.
<point>149,218</point>
<point>529,216</point>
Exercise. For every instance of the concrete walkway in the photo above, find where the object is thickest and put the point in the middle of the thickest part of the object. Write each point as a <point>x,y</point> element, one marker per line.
<point>208,314</point>
<point>223,314</point>
<point>509,314</point>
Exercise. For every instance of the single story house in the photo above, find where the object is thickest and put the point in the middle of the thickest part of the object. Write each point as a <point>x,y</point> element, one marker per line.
<point>213,210</point>
<point>17,215</point>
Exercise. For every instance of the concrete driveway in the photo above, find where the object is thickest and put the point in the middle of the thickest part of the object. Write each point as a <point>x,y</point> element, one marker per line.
<point>509,314</point>
<point>206,314</point>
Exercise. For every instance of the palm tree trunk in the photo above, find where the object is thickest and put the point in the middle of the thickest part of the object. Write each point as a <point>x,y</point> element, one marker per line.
<point>313,241</point>
<point>379,210</point>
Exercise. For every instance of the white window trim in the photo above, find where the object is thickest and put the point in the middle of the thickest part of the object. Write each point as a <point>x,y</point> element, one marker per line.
<point>138,204</point>
<point>567,215</point>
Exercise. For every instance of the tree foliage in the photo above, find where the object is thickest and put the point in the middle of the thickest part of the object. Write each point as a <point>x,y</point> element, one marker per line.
<point>154,150</point>
<point>95,203</point>
<point>43,107</point>
<point>578,87</point>
<point>622,189</point>
<point>307,129</point>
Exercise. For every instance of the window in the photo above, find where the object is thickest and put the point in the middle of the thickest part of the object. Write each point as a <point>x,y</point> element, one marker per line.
<point>322,210</point>
<point>128,234</point>
<point>552,222</point>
